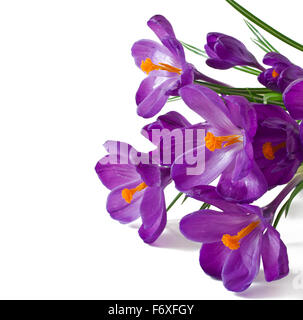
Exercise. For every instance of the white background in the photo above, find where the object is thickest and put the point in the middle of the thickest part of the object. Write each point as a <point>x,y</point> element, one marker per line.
<point>67,85</point>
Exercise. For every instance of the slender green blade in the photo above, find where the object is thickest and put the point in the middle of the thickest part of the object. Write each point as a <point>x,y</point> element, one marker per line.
<point>279,215</point>
<point>260,45</point>
<point>260,37</point>
<point>185,198</point>
<point>171,99</point>
<point>265,26</point>
<point>194,49</point>
<point>174,201</point>
<point>205,206</point>
<point>296,191</point>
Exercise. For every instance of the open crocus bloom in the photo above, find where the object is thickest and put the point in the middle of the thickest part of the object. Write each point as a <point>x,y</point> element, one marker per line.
<point>281,73</point>
<point>230,129</point>
<point>136,189</point>
<point>277,147</point>
<point>165,66</point>
<point>234,240</point>
<point>226,52</point>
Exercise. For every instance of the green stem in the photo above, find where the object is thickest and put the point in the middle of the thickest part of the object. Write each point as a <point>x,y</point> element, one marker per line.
<point>265,26</point>
<point>251,94</point>
<point>174,201</point>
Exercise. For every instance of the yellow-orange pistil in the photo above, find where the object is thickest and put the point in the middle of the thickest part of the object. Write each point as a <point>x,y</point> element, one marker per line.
<point>233,242</point>
<point>213,142</point>
<point>127,194</point>
<point>274,74</point>
<point>269,150</point>
<point>147,66</point>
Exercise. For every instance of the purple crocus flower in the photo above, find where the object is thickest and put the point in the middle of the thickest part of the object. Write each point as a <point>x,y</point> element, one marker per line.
<point>136,189</point>
<point>230,129</point>
<point>277,147</point>
<point>281,73</point>
<point>226,52</point>
<point>165,66</point>
<point>234,240</point>
<point>293,99</point>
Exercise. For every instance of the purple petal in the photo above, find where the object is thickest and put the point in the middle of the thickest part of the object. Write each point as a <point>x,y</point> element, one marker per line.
<point>171,145</point>
<point>213,257</point>
<point>119,209</point>
<point>273,58</point>
<point>219,64</point>
<point>151,206</point>
<point>176,48</point>
<point>119,151</point>
<point>266,78</point>
<point>161,27</point>
<point>293,99</point>
<point>209,195</point>
<point>114,175</point>
<point>247,189</point>
<point>209,226</point>
<point>243,165</point>
<point>243,265</point>
<point>211,39</point>
<point>242,114</point>
<point>289,75</point>
<point>234,51</point>
<point>150,174</point>
<point>274,255</point>
<point>170,121</point>
<point>156,224</point>
<point>208,105</point>
<point>143,49</point>
<point>152,95</point>
<point>215,163</point>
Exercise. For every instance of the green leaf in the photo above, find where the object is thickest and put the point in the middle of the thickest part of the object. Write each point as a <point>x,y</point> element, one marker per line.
<point>286,206</point>
<point>296,191</point>
<point>205,206</point>
<point>260,46</point>
<point>251,94</point>
<point>194,49</point>
<point>175,98</point>
<point>185,198</point>
<point>274,96</point>
<point>265,26</point>
<point>279,215</point>
<point>261,40</point>
<point>248,70</point>
<point>174,201</point>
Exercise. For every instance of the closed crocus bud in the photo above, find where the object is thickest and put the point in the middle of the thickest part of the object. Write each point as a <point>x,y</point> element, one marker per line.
<point>281,73</point>
<point>226,52</point>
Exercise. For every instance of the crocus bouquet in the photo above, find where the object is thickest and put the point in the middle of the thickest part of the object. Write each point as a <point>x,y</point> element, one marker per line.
<point>246,142</point>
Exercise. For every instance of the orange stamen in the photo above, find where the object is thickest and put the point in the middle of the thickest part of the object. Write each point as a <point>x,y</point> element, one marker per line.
<point>127,194</point>
<point>275,74</point>
<point>233,242</point>
<point>147,66</point>
<point>213,142</point>
<point>269,150</point>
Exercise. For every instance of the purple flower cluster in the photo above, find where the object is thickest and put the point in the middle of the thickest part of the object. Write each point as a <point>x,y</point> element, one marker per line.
<point>243,148</point>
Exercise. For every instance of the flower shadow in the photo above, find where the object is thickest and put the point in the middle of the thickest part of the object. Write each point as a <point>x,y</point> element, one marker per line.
<point>280,289</point>
<point>173,239</point>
